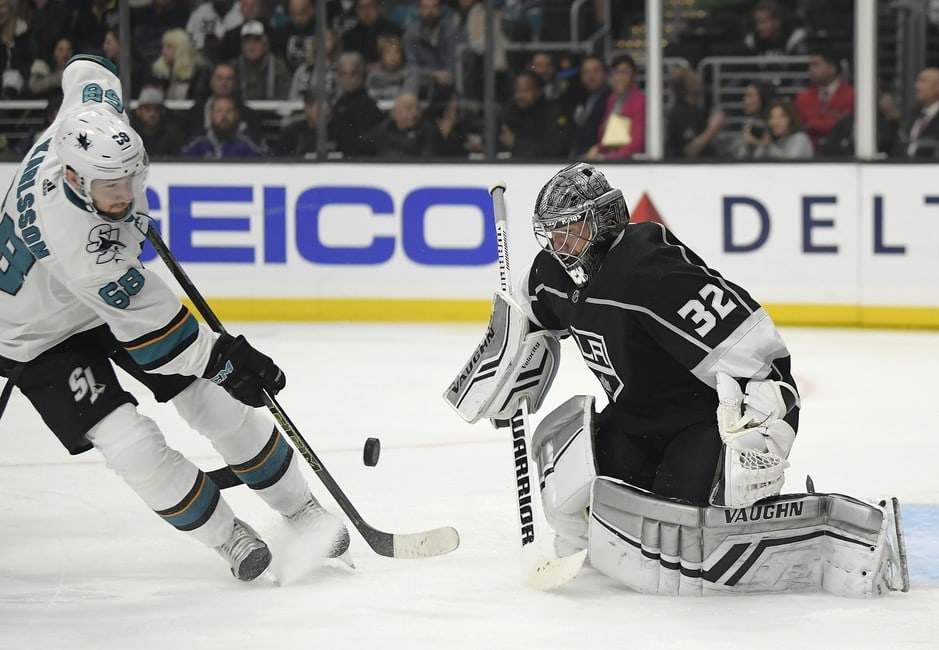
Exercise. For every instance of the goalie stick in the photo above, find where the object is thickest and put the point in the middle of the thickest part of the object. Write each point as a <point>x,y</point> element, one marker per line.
<point>540,572</point>
<point>409,545</point>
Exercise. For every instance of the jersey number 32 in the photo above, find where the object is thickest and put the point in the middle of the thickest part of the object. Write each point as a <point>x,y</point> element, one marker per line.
<point>706,312</point>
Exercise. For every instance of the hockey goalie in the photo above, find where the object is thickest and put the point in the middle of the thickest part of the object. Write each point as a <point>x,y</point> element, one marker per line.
<point>674,487</point>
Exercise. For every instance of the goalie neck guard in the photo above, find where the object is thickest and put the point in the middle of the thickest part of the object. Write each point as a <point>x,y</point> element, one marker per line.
<point>577,217</point>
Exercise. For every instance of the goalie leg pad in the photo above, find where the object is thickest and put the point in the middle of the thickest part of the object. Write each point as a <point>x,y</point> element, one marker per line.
<point>510,364</point>
<point>562,447</point>
<point>816,542</point>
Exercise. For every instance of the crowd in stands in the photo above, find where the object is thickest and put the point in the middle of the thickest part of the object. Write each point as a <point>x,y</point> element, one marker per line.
<point>405,80</point>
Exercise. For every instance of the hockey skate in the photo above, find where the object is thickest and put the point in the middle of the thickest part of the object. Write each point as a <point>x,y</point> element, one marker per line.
<point>246,552</point>
<point>312,516</point>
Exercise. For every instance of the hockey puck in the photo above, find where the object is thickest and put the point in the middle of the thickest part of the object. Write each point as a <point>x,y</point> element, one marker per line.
<point>371,451</point>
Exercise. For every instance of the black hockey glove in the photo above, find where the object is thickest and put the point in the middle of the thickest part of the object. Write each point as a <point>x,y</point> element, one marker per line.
<point>243,371</point>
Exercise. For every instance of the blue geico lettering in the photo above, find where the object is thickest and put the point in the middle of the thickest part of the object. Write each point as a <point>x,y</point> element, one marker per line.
<point>307,211</point>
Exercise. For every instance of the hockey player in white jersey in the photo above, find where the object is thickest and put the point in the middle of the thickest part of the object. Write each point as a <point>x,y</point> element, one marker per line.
<point>674,486</point>
<point>75,299</point>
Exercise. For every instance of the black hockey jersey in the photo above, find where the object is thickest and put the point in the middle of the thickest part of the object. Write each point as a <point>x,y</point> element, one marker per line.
<point>656,324</point>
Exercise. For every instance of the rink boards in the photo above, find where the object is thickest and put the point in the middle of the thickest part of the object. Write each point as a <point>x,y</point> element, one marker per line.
<point>819,244</point>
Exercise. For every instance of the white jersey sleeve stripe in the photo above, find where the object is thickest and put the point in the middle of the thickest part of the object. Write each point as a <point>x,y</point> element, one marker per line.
<point>749,351</point>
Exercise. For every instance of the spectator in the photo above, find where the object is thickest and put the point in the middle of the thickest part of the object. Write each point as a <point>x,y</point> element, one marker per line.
<point>369,28</point>
<point>341,15</point>
<point>406,134</point>
<point>304,78</point>
<point>90,20</point>
<point>622,132</point>
<point>393,76</point>
<point>160,136</point>
<point>293,40</point>
<point>48,22</point>
<point>786,138</point>
<point>111,49</point>
<point>840,142</point>
<point>542,64</point>
<point>208,23</point>
<point>690,129</point>
<point>259,73</point>
<point>919,135</point>
<point>300,137</point>
<point>470,19</point>
<point>14,51</point>
<point>230,46</point>
<point>430,46</point>
<point>150,20</point>
<point>774,32</point>
<point>757,97</point>
<point>460,132</point>
<point>827,100</point>
<point>226,136</point>
<point>180,69</point>
<point>221,84</point>
<point>45,77</point>
<point>589,108</point>
<point>532,126</point>
<point>355,115</point>
<point>888,121</point>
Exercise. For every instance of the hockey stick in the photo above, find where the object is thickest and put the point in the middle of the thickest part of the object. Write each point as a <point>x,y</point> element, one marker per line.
<point>13,374</point>
<point>540,572</point>
<point>5,395</point>
<point>410,545</point>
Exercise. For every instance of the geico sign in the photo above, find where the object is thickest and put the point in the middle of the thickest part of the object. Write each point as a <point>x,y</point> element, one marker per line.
<point>183,226</point>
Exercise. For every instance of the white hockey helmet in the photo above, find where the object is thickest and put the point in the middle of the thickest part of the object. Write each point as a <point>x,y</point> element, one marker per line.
<point>577,217</point>
<point>101,147</point>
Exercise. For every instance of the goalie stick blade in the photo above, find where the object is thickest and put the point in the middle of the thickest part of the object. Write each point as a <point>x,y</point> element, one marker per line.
<point>548,573</point>
<point>413,546</point>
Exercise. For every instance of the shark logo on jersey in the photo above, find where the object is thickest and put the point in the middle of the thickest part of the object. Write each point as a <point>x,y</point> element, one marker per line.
<point>575,296</point>
<point>47,186</point>
<point>105,241</point>
<point>594,351</point>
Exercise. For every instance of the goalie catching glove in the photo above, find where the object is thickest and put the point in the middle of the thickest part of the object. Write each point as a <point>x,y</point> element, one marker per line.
<point>509,365</point>
<point>243,371</point>
<point>756,440</point>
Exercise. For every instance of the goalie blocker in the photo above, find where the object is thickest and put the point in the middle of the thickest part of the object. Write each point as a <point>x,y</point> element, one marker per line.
<point>509,365</point>
<point>796,542</point>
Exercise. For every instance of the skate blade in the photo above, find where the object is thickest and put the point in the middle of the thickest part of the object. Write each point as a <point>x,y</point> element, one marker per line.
<point>346,558</point>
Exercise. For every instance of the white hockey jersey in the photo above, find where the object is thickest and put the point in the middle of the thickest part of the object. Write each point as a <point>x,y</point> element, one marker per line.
<point>65,270</point>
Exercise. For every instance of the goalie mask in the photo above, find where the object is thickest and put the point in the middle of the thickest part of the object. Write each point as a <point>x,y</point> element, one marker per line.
<point>108,159</point>
<point>577,217</point>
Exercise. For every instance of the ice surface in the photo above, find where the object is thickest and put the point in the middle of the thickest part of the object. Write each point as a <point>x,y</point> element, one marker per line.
<point>85,565</point>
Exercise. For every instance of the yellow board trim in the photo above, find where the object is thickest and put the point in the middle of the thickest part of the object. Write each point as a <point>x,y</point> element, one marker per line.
<point>477,311</point>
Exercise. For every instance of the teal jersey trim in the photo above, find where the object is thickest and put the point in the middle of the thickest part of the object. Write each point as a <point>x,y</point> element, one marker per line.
<point>100,60</point>
<point>155,353</point>
<point>268,466</point>
<point>73,197</point>
<point>196,508</point>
